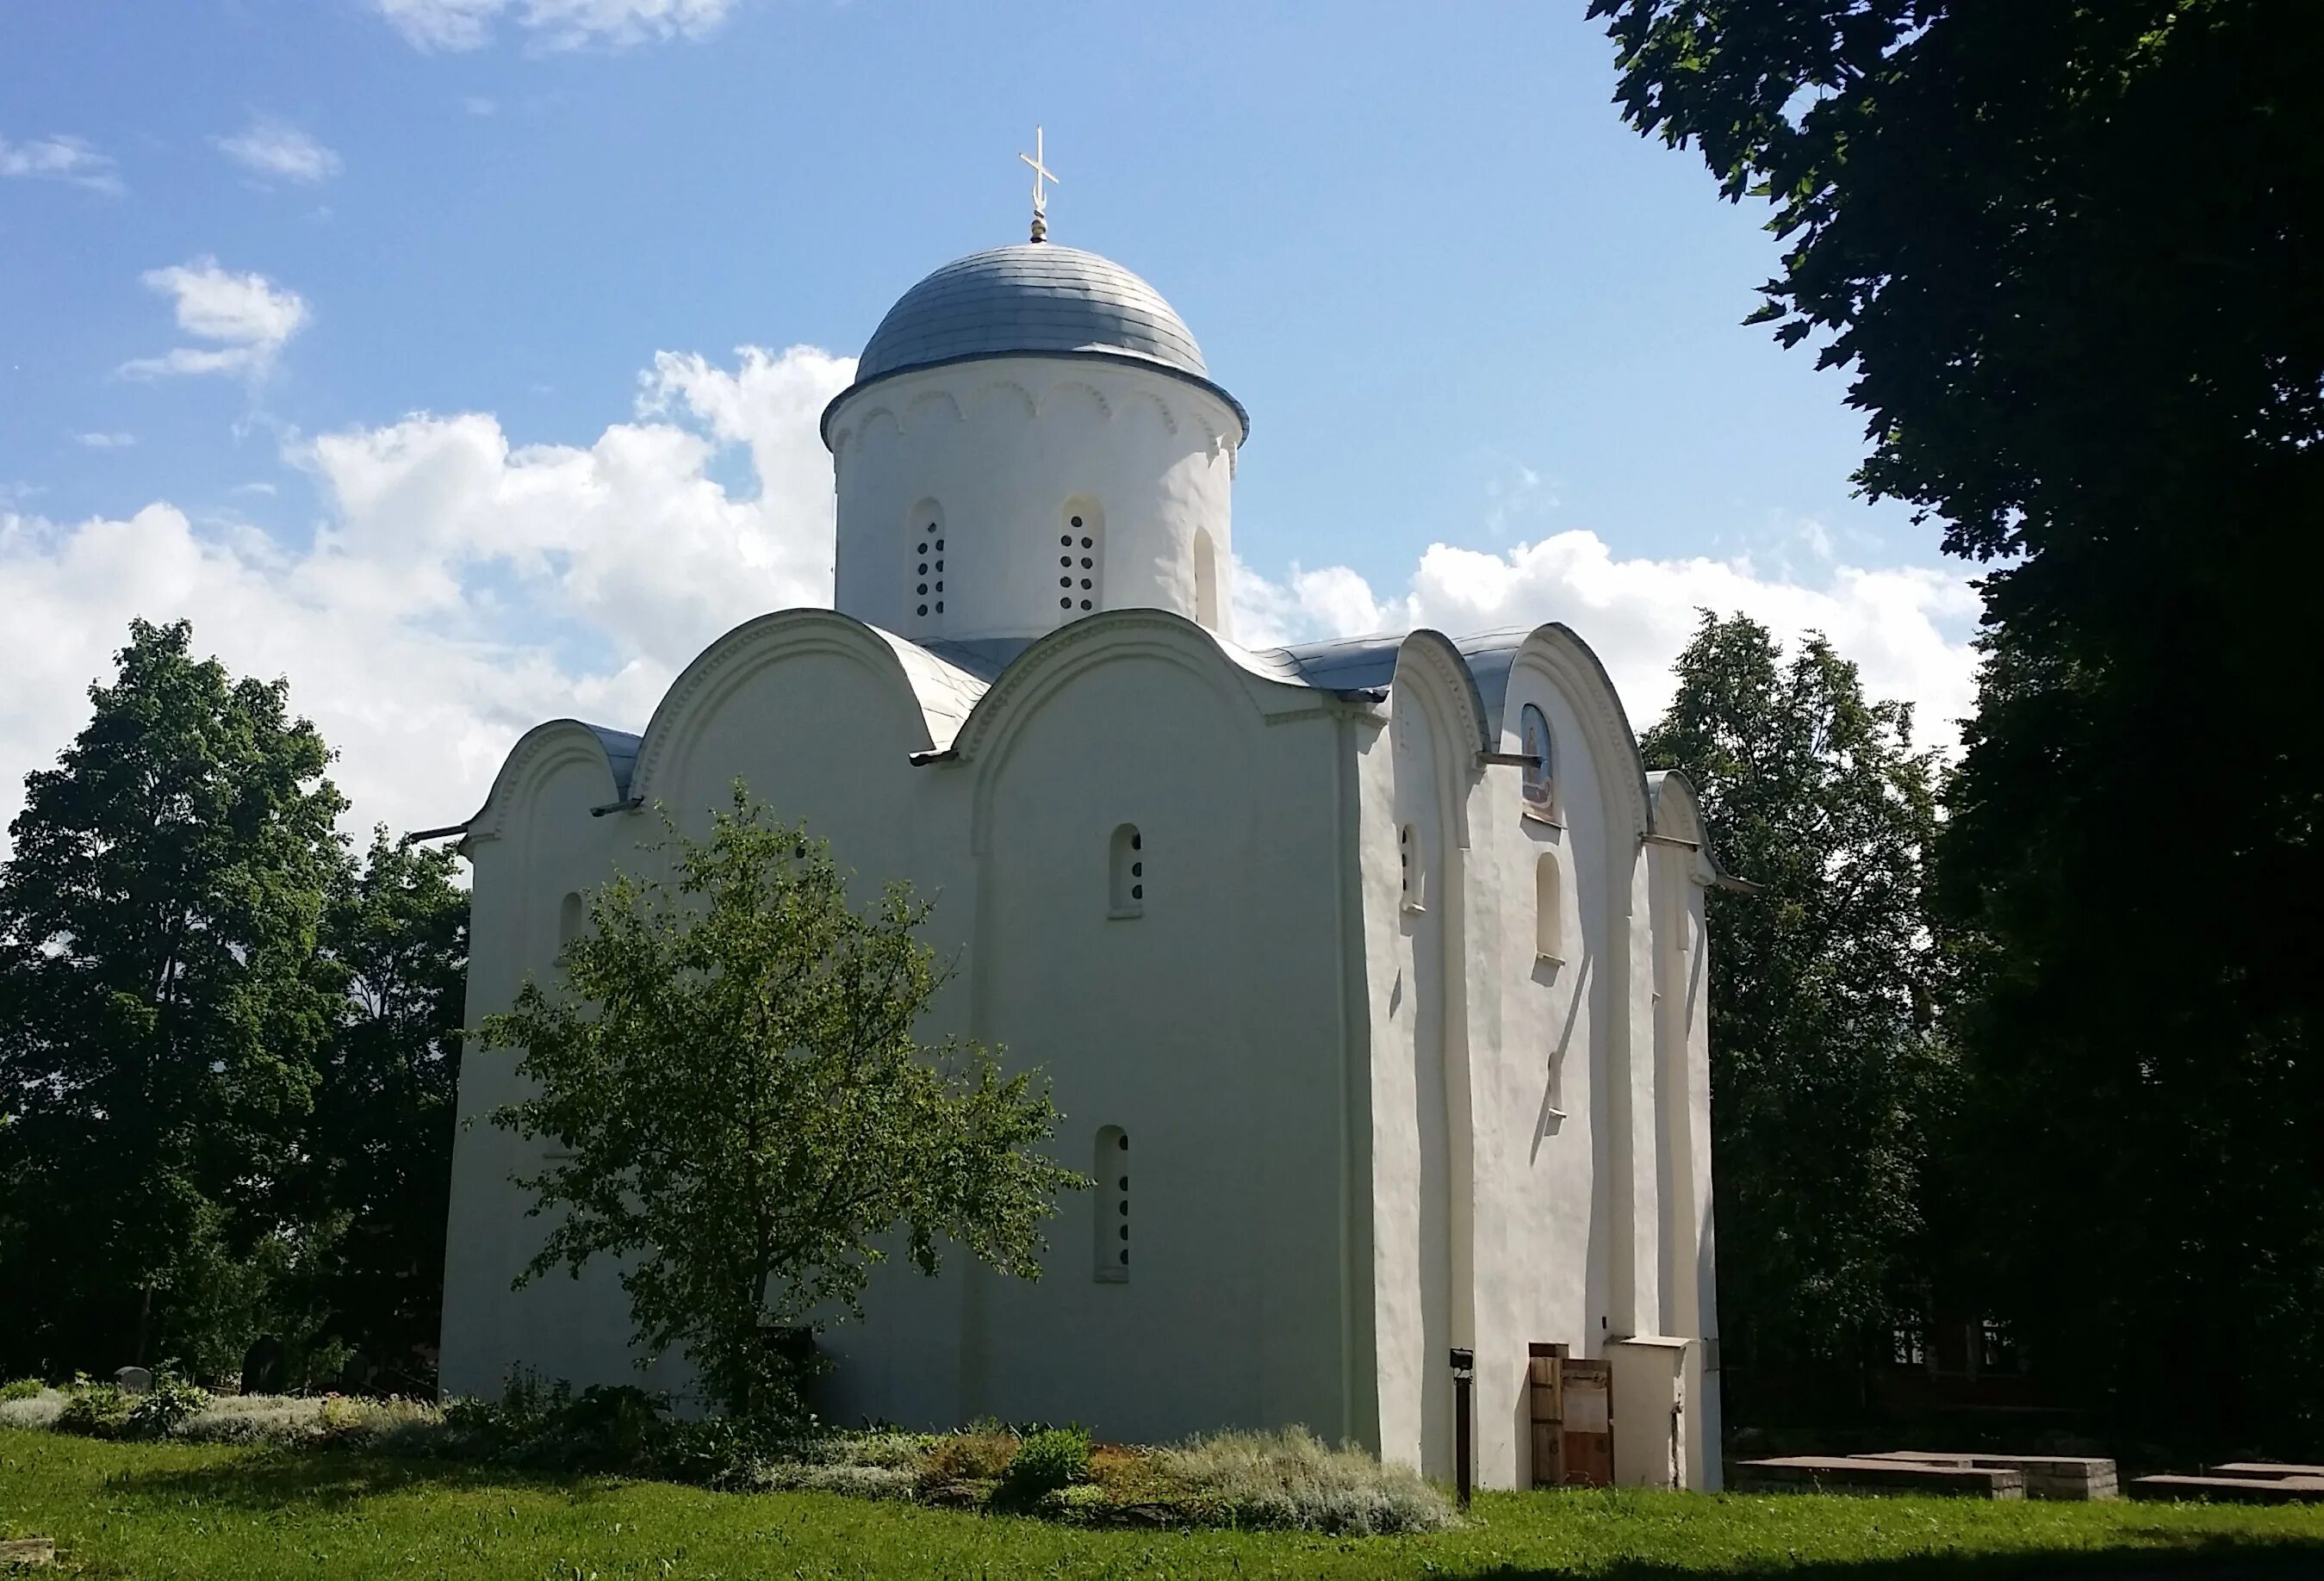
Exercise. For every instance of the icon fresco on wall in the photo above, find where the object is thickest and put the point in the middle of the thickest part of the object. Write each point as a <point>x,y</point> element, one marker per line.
<point>1539,784</point>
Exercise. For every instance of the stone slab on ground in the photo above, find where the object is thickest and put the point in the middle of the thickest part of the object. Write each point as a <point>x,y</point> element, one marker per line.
<point>2232,1490</point>
<point>1800,1474</point>
<point>27,1551</point>
<point>2047,1477</point>
<point>2269,1468</point>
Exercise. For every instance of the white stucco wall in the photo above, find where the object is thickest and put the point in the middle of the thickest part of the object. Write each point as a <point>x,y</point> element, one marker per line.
<point>1343,1160</point>
<point>1210,1027</point>
<point>1000,453</point>
<point>1500,1222</point>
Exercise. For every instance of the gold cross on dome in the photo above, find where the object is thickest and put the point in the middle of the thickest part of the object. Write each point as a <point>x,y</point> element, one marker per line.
<point>1041,173</point>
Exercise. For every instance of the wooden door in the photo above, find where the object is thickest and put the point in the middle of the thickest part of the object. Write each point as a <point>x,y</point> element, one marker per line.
<point>1587,1426</point>
<point>1544,1383</point>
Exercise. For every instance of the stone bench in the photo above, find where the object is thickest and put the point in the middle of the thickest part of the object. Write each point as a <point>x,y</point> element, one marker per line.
<point>2047,1477</point>
<point>2232,1490</point>
<point>1800,1474</point>
<point>2272,1469</point>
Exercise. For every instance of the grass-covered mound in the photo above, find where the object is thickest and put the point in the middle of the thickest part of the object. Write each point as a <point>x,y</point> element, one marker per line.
<point>1284,1479</point>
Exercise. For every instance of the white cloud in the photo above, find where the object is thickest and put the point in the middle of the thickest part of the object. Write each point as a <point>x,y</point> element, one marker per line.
<point>61,158</point>
<point>1906,628</point>
<point>248,313</point>
<point>556,25</point>
<point>459,591</point>
<point>105,441</point>
<point>276,147</point>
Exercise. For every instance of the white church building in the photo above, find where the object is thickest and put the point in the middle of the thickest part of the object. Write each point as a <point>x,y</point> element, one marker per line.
<point>1369,976</point>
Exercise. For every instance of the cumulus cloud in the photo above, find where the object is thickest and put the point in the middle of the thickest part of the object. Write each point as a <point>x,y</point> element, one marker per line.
<point>459,589</point>
<point>278,149</point>
<point>247,314</point>
<point>1906,628</point>
<point>556,25</point>
<point>61,158</point>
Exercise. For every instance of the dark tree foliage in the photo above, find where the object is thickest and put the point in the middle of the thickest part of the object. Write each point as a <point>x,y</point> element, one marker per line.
<point>380,1157</point>
<point>2067,250</point>
<point>227,1051</point>
<point>1825,1069</point>
<point>162,1018</point>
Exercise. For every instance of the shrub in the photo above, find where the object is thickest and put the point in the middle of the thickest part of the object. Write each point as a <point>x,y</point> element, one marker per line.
<point>255,1419</point>
<point>158,1412</point>
<point>606,1426</point>
<point>99,1411</point>
<point>863,1482</point>
<point>38,1412</point>
<point>391,1426</point>
<point>978,1454</point>
<point>1083,1502</point>
<point>22,1389</point>
<point>1287,1479</point>
<point>1046,1461</point>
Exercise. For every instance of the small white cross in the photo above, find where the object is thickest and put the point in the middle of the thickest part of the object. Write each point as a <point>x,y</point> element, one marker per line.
<point>1041,173</point>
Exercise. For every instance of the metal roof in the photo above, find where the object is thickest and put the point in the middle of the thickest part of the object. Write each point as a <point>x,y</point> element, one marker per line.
<point>1033,298</point>
<point>621,753</point>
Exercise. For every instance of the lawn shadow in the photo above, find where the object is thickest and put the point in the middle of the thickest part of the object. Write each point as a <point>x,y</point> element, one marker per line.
<point>2210,1556</point>
<point>334,1480</point>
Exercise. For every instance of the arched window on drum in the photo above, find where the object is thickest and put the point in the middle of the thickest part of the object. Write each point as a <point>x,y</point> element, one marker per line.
<point>1540,751</point>
<point>1206,581</point>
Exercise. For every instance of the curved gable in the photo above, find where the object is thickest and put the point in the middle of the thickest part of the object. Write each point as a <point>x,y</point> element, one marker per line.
<point>1678,818</point>
<point>1056,660</point>
<point>938,695</point>
<point>1431,672</point>
<point>540,753</point>
<point>1553,652</point>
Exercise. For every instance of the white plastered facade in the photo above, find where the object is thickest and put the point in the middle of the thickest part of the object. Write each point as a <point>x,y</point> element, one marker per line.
<point>1374,1108</point>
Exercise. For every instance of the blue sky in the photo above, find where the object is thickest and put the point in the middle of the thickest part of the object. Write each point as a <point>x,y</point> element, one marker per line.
<point>305,301</point>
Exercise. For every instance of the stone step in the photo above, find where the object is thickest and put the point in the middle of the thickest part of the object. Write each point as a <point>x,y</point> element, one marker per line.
<point>2047,1477</point>
<point>28,1552</point>
<point>2267,1469</point>
<point>2232,1490</point>
<point>1867,1475</point>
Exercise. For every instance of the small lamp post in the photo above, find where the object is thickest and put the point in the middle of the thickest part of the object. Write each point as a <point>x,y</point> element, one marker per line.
<point>1464,1376</point>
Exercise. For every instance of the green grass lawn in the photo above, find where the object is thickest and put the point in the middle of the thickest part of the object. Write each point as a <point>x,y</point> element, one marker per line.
<point>161,1511</point>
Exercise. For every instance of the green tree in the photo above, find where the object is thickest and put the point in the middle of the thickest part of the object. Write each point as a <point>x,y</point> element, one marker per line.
<point>731,1066</point>
<point>1826,1073</point>
<point>380,1152</point>
<point>161,1015</point>
<point>2067,251</point>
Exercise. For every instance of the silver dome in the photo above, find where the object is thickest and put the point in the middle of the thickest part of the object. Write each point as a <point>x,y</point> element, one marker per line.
<point>1033,298</point>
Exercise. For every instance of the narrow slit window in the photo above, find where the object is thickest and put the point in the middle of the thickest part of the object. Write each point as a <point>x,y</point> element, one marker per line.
<point>1081,560</point>
<point>923,568</point>
<point>571,913</point>
<point>1111,1169</point>
<point>1125,879</point>
<point>1549,908</point>
<point>1206,581</point>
